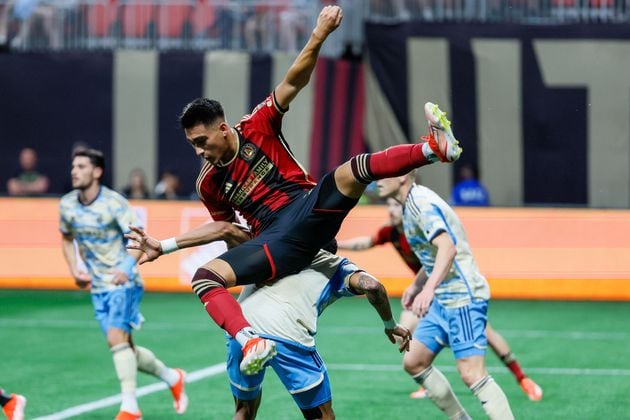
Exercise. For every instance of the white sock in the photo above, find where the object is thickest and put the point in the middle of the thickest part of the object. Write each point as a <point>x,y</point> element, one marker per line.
<point>129,402</point>
<point>127,370</point>
<point>493,400</point>
<point>440,392</point>
<point>148,363</point>
<point>244,335</point>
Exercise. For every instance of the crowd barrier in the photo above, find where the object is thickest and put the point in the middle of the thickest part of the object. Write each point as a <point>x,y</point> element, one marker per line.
<point>573,254</point>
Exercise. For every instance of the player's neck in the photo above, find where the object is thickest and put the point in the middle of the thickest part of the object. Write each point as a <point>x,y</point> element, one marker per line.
<point>233,145</point>
<point>89,194</point>
<point>403,192</point>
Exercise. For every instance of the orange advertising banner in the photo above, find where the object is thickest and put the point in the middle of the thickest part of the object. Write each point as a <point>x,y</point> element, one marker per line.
<point>525,253</point>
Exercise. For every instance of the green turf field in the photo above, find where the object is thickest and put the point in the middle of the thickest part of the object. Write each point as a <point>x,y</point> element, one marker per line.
<point>52,351</point>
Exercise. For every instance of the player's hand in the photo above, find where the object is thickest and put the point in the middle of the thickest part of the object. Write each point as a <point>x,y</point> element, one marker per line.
<point>408,296</point>
<point>235,237</point>
<point>403,335</point>
<point>119,277</point>
<point>328,20</point>
<point>422,302</point>
<point>81,279</point>
<point>150,247</point>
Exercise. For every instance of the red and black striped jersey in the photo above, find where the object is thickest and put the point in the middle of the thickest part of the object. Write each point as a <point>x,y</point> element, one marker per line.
<point>263,176</point>
<point>389,233</point>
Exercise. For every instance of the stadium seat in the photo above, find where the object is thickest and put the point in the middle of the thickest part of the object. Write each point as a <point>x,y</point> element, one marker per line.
<point>101,16</point>
<point>137,18</point>
<point>203,19</point>
<point>172,18</point>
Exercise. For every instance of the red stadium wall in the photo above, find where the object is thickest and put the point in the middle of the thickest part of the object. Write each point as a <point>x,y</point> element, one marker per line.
<point>524,253</point>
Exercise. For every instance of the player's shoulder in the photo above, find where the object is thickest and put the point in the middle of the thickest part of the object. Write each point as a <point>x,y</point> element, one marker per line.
<point>113,198</point>
<point>69,199</point>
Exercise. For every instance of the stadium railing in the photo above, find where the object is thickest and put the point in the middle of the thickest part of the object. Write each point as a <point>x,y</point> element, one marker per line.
<point>258,25</point>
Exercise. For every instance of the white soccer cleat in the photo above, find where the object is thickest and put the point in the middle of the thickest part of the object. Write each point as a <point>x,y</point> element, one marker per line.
<point>441,138</point>
<point>256,352</point>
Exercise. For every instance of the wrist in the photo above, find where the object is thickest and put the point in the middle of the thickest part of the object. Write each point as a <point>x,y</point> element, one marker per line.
<point>127,265</point>
<point>319,35</point>
<point>390,324</point>
<point>168,245</point>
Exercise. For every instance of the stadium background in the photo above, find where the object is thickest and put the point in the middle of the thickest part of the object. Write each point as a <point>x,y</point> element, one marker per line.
<point>539,97</point>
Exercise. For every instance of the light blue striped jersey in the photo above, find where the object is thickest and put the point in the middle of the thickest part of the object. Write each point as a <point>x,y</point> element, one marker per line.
<point>289,309</point>
<point>98,230</point>
<point>426,215</point>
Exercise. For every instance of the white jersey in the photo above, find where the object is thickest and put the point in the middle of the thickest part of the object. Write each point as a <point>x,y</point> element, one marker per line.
<point>98,230</point>
<point>425,215</point>
<point>289,308</point>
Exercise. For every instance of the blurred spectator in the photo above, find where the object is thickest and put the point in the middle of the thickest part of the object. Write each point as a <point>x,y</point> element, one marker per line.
<point>30,12</point>
<point>137,187</point>
<point>168,186</point>
<point>294,25</point>
<point>258,29</point>
<point>5,15</point>
<point>469,191</point>
<point>28,181</point>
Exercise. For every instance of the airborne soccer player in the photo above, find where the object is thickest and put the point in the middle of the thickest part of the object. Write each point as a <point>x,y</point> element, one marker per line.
<point>249,168</point>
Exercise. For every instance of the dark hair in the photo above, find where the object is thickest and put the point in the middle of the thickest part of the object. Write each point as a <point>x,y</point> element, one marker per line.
<point>96,157</point>
<point>201,111</point>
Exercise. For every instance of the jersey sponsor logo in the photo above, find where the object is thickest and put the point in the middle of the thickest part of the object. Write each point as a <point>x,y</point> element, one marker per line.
<point>248,151</point>
<point>259,170</point>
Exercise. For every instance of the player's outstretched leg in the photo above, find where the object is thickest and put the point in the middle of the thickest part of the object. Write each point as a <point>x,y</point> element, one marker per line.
<point>441,138</point>
<point>440,145</point>
<point>210,285</point>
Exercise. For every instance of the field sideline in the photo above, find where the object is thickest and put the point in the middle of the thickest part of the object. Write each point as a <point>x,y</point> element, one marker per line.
<point>52,351</point>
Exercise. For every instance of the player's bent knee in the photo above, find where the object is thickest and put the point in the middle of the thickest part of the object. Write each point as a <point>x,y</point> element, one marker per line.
<point>205,280</point>
<point>412,365</point>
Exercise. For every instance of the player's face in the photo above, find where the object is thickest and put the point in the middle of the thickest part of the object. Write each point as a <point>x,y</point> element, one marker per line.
<point>387,187</point>
<point>210,142</point>
<point>395,212</point>
<point>83,173</point>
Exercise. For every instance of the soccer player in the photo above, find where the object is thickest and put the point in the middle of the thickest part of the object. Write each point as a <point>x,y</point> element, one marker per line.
<point>249,168</point>
<point>97,218</point>
<point>451,296</point>
<point>393,233</point>
<point>12,405</point>
<point>287,312</point>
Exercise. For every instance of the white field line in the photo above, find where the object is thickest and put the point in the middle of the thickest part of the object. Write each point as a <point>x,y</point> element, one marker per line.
<point>491,369</point>
<point>145,390</point>
<point>220,368</point>
<point>330,330</point>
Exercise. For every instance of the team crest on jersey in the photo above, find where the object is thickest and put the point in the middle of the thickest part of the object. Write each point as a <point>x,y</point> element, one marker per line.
<point>248,151</point>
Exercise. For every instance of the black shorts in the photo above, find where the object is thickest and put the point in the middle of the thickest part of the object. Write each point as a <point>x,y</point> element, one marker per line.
<point>293,237</point>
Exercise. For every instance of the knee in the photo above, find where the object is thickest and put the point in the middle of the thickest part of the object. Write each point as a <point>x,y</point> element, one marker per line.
<point>470,375</point>
<point>414,366</point>
<point>205,280</point>
<point>116,336</point>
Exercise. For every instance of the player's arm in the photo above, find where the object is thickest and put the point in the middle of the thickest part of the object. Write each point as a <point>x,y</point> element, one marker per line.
<point>81,278</point>
<point>444,258</point>
<point>300,71</point>
<point>414,288</point>
<point>364,284</point>
<point>151,248</point>
<point>359,243</point>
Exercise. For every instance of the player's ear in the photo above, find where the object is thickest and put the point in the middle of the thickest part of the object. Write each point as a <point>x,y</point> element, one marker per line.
<point>98,172</point>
